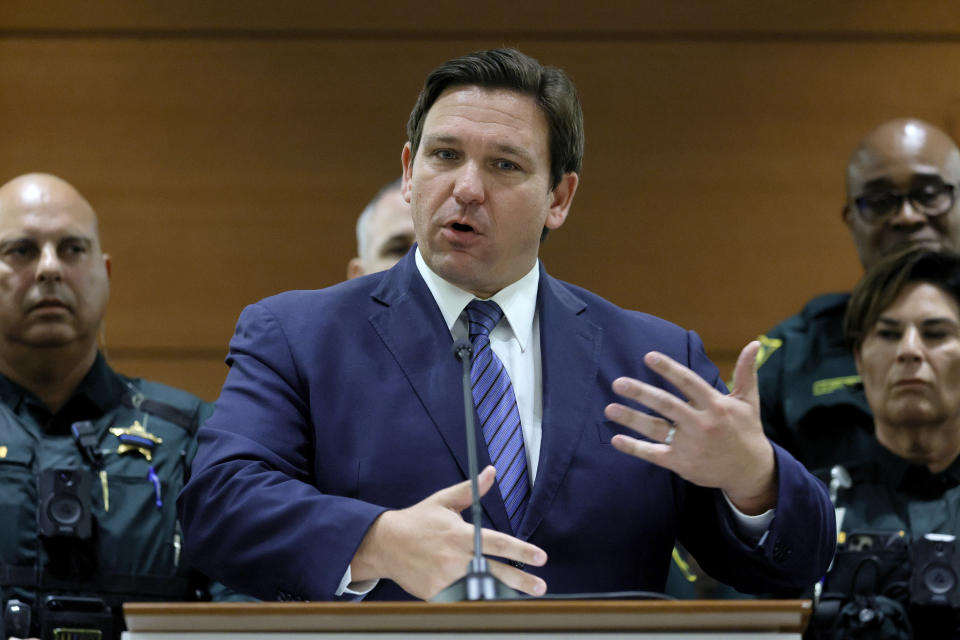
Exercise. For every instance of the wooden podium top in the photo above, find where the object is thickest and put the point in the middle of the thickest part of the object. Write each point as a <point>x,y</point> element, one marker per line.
<point>777,616</point>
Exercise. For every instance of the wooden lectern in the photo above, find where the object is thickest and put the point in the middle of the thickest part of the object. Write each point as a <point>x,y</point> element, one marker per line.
<point>501,620</point>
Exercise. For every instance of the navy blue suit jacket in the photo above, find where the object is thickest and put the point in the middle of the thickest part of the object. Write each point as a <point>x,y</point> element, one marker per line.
<point>344,402</point>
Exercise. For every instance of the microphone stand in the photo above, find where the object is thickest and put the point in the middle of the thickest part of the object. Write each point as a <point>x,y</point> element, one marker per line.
<point>479,583</point>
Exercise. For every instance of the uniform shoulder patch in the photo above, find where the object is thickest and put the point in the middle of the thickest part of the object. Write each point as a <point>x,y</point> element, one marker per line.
<point>767,347</point>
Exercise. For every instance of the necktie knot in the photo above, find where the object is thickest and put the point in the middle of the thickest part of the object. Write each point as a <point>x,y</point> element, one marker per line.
<point>483,316</point>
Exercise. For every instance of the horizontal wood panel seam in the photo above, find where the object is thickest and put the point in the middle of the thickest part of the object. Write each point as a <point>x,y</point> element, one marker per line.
<point>547,35</point>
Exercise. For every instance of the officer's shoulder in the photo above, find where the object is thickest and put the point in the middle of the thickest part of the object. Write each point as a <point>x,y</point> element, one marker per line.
<point>165,393</point>
<point>828,307</point>
<point>171,404</point>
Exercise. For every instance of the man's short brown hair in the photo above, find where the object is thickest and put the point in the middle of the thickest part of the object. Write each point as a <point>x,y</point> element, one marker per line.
<point>509,69</point>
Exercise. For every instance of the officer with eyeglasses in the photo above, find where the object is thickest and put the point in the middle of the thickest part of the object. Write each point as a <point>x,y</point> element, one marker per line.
<point>901,191</point>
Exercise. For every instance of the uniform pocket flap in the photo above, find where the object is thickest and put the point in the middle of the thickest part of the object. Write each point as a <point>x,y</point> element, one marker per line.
<point>14,454</point>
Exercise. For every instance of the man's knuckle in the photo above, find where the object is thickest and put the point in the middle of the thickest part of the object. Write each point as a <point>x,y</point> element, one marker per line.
<point>495,545</point>
<point>450,563</point>
<point>633,420</point>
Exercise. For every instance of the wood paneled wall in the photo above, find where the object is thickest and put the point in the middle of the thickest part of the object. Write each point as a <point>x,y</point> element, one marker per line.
<point>229,146</point>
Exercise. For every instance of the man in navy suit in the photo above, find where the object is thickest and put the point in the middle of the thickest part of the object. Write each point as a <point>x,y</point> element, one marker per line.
<point>335,462</point>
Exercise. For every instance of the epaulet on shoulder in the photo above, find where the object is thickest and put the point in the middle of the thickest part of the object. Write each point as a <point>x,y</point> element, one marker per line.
<point>169,403</point>
<point>165,393</point>
<point>826,304</point>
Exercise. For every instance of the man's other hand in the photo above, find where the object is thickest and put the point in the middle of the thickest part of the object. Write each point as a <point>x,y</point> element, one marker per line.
<point>427,547</point>
<point>711,439</point>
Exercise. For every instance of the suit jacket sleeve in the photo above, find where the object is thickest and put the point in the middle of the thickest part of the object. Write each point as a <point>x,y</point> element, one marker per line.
<point>275,535</point>
<point>797,547</point>
<point>794,552</point>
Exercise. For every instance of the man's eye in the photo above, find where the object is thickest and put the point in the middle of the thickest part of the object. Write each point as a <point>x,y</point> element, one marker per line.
<point>882,201</point>
<point>506,165</point>
<point>74,249</point>
<point>888,334</point>
<point>931,193</point>
<point>445,154</point>
<point>20,250</point>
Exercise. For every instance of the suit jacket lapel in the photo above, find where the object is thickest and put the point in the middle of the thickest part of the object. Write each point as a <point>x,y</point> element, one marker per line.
<point>570,356</point>
<point>412,328</point>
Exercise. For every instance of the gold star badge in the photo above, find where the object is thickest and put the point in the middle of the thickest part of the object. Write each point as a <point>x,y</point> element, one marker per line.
<point>136,438</point>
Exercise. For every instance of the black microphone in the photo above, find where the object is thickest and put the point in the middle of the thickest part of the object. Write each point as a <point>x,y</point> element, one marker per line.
<point>479,583</point>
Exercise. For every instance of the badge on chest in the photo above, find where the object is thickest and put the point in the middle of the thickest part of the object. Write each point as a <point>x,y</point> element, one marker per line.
<point>136,438</point>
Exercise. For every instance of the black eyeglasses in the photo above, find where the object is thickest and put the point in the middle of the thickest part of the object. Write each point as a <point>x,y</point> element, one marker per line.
<point>931,199</point>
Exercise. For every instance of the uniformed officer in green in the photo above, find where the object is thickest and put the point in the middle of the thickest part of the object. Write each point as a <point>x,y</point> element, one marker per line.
<point>903,322</point>
<point>901,191</point>
<point>91,461</point>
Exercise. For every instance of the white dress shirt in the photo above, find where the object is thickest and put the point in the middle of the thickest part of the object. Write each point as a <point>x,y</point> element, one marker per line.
<point>515,340</point>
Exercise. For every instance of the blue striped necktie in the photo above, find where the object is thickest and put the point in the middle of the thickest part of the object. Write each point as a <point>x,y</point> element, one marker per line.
<point>497,411</point>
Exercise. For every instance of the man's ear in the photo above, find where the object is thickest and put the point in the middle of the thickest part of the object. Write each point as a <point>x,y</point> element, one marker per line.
<point>856,358</point>
<point>847,214</point>
<point>406,159</point>
<point>561,199</point>
<point>107,264</point>
<point>355,268</point>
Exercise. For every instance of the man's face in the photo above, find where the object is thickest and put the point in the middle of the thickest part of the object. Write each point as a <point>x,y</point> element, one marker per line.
<point>910,366</point>
<point>479,187</point>
<point>389,235</point>
<point>912,162</point>
<point>53,276</point>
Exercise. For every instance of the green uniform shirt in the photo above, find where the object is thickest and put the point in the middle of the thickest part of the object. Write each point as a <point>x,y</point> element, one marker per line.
<point>133,551</point>
<point>811,400</point>
<point>892,494</point>
<point>891,504</point>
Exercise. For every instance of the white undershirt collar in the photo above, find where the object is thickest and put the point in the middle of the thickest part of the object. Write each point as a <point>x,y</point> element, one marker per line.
<point>518,300</point>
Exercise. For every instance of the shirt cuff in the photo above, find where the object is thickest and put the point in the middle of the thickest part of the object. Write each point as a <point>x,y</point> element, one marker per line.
<point>750,528</point>
<point>350,588</point>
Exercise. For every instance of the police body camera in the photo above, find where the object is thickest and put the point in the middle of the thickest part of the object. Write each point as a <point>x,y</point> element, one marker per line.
<point>935,580</point>
<point>64,496</point>
<point>75,618</point>
<point>16,619</point>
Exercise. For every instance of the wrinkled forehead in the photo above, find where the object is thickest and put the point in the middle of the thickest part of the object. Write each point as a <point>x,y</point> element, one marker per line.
<point>47,219</point>
<point>497,116</point>
<point>899,158</point>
